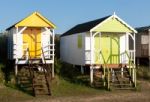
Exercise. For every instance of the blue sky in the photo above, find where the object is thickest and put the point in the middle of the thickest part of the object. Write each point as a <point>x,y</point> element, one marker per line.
<point>67,13</point>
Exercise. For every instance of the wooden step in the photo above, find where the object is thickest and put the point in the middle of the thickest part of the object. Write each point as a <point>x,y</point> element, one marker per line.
<point>120,84</point>
<point>130,88</point>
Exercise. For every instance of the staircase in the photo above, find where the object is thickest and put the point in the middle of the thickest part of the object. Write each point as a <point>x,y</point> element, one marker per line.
<point>116,76</point>
<point>35,76</point>
<point>36,85</point>
<point>121,79</point>
<point>98,78</point>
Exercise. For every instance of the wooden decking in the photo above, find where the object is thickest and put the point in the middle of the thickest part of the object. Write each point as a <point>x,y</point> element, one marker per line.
<point>109,65</point>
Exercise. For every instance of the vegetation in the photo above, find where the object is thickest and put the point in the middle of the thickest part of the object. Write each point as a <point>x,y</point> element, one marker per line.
<point>143,72</point>
<point>70,85</point>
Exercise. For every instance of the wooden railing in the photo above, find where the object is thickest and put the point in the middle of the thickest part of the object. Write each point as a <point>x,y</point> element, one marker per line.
<point>49,52</point>
<point>87,55</point>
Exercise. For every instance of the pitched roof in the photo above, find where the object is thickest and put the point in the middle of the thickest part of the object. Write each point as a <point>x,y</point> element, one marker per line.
<point>33,14</point>
<point>145,28</point>
<point>84,27</point>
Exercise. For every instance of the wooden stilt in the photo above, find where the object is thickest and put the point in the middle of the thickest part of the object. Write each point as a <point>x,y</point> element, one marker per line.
<point>53,73</point>
<point>82,70</point>
<point>16,70</point>
<point>91,74</point>
<point>122,72</point>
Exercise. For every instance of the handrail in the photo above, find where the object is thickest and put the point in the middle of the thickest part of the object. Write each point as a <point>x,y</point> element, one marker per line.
<point>108,73</point>
<point>49,50</point>
<point>44,69</point>
<point>31,71</point>
<point>132,69</point>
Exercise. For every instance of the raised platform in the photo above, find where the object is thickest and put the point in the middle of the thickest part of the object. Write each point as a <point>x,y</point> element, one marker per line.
<point>34,61</point>
<point>109,65</point>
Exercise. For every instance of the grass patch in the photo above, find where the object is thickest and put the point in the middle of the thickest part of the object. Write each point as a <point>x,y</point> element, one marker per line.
<point>143,72</point>
<point>62,87</point>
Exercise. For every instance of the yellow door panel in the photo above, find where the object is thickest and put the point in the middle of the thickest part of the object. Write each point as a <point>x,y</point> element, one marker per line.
<point>32,37</point>
<point>104,44</point>
<point>109,45</point>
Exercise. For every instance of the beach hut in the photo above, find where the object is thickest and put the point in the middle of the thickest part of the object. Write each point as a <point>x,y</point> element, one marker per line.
<point>142,45</point>
<point>31,44</point>
<point>101,43</point>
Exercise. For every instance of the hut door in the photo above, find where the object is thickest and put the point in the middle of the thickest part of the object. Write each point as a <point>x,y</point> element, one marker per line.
<point>109,45</point>
<point>32,37</point>
<point>102,43</point>
<point>114,59</point>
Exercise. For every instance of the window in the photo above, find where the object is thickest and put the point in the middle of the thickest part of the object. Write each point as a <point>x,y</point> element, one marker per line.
<point>144,49</point>
<point>79,41</point>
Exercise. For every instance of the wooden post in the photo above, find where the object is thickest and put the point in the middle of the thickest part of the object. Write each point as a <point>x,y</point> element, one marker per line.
<point>149,47</point>
<point>53,75</point>
<point>113,75</point>
<point>53,42</point>
<point>82,70</point>
<point>122,72</point>
<point>16,70</point>
<point>91,74</point>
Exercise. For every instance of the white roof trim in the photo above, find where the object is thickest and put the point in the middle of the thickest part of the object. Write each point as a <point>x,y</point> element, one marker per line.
<point>100,23</point>
<point>114,16</point>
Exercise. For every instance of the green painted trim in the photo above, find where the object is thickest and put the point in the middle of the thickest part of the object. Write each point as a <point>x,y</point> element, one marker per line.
<point>110,49</point>
<point>113,25</point>
<point>119,49</point>
<point>79,41</point>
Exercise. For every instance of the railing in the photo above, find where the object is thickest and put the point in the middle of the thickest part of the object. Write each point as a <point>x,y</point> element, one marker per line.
<point>87,55</point>
<point>48,52</point>
<point>26,51</point>
<point>106,77</point>
<point>132,69</point>
<point>113,59</point>
<point>131,54</point>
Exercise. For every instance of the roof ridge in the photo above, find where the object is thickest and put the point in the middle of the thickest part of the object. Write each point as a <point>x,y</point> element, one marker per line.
<point>83,27</point>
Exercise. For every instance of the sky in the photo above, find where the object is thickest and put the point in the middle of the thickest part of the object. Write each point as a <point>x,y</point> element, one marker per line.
<point>67,13</point>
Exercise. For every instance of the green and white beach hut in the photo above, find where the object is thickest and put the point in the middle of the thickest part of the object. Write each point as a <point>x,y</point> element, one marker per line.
<point>102,43</point>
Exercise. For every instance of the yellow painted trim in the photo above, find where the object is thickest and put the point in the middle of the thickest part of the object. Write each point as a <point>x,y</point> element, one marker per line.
<point>38,15</point>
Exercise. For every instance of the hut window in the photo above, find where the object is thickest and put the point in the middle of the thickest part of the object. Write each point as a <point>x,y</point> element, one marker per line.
<point>79,41</point>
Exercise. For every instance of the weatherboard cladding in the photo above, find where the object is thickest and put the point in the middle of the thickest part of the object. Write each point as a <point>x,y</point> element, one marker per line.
<point>84,27</point>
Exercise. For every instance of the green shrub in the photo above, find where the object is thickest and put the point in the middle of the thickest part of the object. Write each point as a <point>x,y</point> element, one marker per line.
<point>58,66</point>
<point>2,76</point>
<point>143,73</point>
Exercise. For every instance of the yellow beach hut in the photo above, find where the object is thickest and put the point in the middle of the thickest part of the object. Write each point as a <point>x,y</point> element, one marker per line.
<point>31,42</point>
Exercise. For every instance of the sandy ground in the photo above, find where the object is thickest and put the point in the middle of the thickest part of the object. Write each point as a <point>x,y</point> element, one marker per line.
<point>142,95</point>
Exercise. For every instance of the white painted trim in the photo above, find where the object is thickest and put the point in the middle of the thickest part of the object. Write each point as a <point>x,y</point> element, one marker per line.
<point>101,23</point>
<point>125,23</point>
<point>131,36</point>
<point>95,34</point>
<point>134,48</point>
<point>48,30</point>
<point>91,47</point>
<point>21,30</point>
<point>53,42</point>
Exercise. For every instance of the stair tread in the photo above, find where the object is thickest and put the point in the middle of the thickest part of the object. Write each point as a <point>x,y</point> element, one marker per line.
<point>121,84</point>
<point>130,88</point>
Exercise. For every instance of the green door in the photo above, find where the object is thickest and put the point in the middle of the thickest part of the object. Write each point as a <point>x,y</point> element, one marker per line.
<point>109,45</point>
